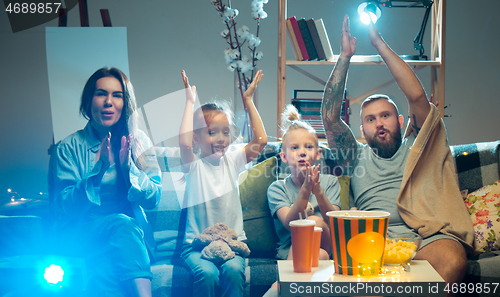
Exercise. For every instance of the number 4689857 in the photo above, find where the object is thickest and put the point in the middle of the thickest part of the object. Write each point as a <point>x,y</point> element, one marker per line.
<point>487,288</point>
<point>33,8</point>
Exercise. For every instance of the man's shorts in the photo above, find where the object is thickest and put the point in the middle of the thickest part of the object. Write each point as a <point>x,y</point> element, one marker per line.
<point>425,241</point>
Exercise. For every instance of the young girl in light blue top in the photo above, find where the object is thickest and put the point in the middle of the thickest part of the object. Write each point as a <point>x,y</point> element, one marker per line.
<point>305,185</point>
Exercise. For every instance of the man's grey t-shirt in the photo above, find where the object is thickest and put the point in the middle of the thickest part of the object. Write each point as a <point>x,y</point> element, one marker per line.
<point>376,181</point>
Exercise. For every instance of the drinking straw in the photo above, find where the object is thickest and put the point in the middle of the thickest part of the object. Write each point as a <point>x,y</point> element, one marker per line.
<point>300,215</point>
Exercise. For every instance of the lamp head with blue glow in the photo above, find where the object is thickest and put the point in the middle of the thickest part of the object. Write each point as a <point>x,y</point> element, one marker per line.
<point>369,10</point>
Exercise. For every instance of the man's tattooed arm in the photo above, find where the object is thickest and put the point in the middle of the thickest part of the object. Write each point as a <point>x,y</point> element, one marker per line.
<point>341,140</point>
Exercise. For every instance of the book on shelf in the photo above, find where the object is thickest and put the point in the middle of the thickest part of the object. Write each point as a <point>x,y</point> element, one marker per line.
<point>323,37</point>
<point>344,108</point>
<point>308,42</point>
<point>298,36</point>
<point>293,41</point>
<point>315,38</point>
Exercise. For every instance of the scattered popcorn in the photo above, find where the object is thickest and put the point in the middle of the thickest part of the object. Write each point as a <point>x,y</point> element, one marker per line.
<point>399,251</point>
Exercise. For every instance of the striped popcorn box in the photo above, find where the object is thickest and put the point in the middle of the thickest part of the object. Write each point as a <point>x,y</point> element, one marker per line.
<point>358,241</point>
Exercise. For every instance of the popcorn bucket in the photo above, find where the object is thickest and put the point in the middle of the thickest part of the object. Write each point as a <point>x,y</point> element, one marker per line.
<point>358,241</point>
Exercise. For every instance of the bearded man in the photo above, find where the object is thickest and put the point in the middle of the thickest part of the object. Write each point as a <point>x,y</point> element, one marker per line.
<point>401,175</point>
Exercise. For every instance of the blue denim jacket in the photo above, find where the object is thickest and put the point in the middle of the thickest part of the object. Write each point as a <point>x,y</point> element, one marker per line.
<point>73,168</point>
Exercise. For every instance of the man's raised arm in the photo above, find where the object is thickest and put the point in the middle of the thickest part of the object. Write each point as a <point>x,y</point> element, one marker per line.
<point>340,137</point>
<point>406,79</point>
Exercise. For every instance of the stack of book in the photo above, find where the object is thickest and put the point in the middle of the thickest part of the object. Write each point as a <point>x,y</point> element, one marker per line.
<point>310,110</point>
<point>309,39</point>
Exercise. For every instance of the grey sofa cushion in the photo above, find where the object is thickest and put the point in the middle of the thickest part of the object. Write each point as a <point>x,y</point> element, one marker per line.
<point>477,164</point>
<point>168,218</point>
<point>483,269</point>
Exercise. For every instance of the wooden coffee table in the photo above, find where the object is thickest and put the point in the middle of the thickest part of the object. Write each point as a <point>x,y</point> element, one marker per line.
<point>421,280</point>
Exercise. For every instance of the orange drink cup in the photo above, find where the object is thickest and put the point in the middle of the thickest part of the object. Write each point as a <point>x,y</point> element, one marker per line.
<point>302,238</point>
<point>358,241</point>
<point>316,244</point>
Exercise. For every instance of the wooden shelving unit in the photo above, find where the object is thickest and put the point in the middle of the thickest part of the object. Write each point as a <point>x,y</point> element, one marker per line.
<point>436,61</point>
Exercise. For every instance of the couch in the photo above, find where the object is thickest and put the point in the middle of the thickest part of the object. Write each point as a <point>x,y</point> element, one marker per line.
<point>477,166</point>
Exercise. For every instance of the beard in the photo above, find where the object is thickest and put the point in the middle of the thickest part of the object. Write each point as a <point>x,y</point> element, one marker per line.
<point>386,149</point>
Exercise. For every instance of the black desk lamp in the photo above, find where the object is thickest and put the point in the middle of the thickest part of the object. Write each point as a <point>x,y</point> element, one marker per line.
<point>372,9</point>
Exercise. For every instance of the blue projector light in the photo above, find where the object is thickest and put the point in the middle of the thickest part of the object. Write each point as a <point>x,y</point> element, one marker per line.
<point>54,274</point>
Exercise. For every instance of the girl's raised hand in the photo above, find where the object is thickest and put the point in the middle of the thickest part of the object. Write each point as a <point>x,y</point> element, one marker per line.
<point>312,177</point>
<point>251,88</point>
<point>315,179</point>
<point>190,90</point>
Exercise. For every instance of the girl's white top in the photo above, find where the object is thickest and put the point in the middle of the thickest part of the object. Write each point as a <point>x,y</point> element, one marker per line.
<point>212,194</point>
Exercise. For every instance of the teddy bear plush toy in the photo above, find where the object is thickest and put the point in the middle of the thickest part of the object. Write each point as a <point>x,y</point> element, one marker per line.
<point>309,209</point>
<point>219,243</point>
